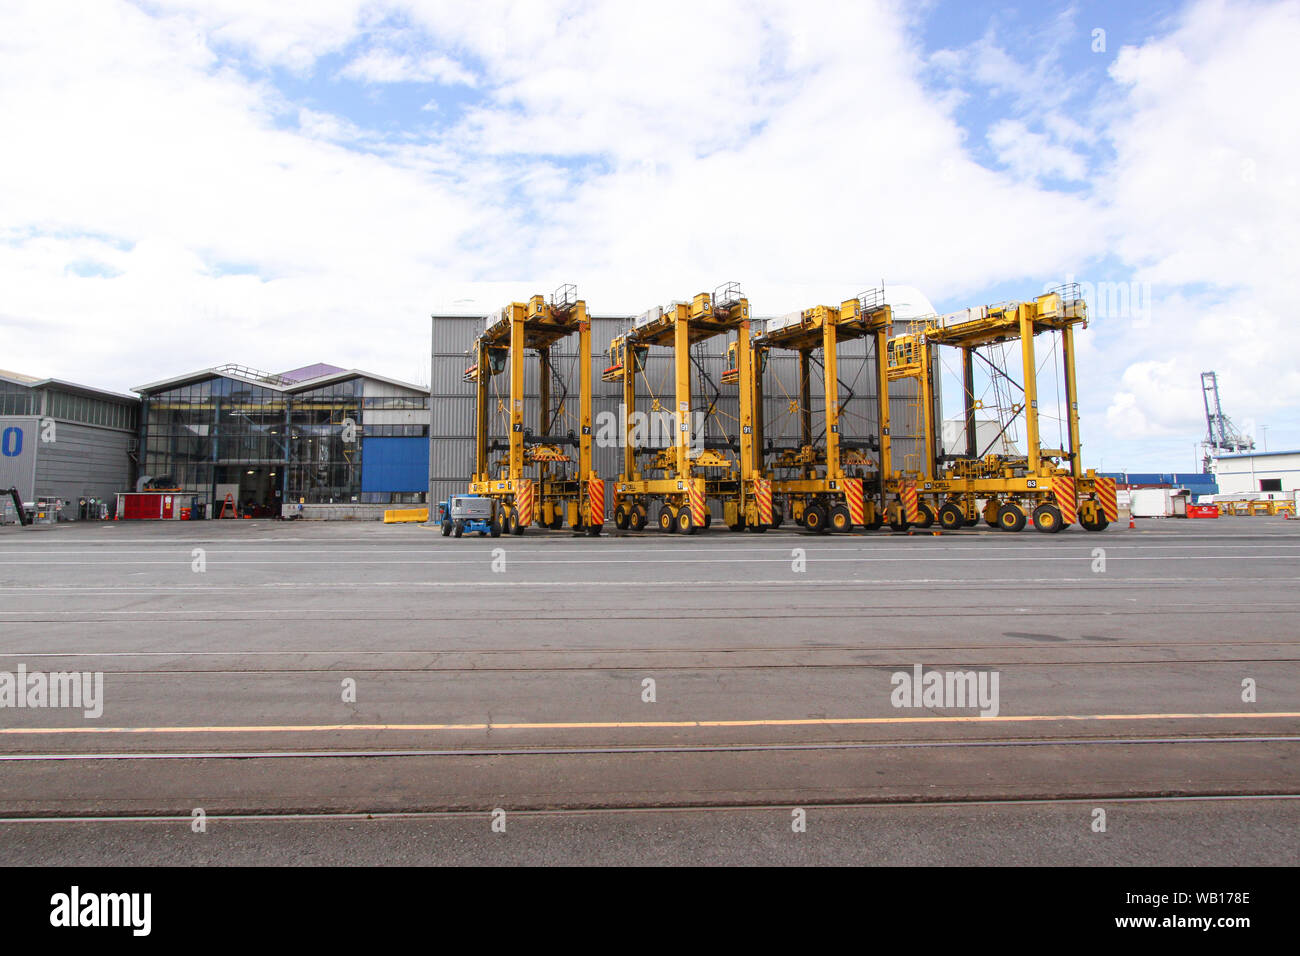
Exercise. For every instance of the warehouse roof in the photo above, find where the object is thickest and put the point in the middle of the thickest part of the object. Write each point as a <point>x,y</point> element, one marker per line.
<point>31,381</point>
<point>280,382</point>
<point>1257,454</point>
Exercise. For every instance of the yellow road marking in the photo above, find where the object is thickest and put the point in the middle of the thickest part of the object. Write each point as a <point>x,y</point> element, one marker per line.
<point>635,724</point>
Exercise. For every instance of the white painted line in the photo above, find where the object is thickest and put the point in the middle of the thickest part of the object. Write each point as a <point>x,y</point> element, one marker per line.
<point>1099,581</point>
<point>526,558</point>
<point>920,540</point>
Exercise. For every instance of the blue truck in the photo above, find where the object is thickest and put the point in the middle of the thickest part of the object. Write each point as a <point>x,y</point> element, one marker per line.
<point>470,513</point>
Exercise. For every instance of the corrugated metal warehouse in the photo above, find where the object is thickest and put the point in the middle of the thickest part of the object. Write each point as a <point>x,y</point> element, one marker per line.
<point>451,455</point>
<point>65,441</point>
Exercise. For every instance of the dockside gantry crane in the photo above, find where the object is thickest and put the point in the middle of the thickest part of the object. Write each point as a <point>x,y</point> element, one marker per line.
<point>536,480</point>
<point>828,481</point>
<point>693,470</point>
<point>1050,482</point>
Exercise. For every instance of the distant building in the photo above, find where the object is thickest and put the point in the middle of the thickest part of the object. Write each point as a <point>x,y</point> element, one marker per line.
<point>69,442</point>
<point>1258,472</point>
<point>319,435</point>
<point>1198,483</point>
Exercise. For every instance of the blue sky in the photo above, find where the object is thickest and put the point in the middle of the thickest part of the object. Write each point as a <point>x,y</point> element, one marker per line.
<point>257,183</point>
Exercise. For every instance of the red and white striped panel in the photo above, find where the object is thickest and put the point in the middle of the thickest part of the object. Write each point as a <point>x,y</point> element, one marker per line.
<point>853,495</point>
<point>524,501</point>
<point>596,500</point>
<point>1066,499</point>
<point>1106,495</point>
<point>763,496</point>
<point>698,505</point>
<point>911,508</point>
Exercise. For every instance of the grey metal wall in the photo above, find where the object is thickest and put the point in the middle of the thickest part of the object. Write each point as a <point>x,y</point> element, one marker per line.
<point>20,435</point>
<point>451,458</point>
<point>84,462</point>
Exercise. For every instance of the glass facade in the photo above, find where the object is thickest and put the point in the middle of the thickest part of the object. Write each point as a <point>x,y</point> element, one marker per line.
<point>266,446</point>
<point>325,432</point>
<point>216,437</point>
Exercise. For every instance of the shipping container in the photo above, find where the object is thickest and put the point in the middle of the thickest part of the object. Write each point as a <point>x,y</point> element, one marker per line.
<point>1151,503</point>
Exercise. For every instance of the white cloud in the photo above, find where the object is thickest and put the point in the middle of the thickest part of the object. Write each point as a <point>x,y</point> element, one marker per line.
<point>383,66</point>
<point>1033,155</point>
<point>725,144</point>
<point>1206,187</point>
<point>644,158</point>
<point>1204,202</point>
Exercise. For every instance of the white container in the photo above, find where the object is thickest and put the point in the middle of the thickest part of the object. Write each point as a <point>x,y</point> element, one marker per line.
<point>653,315</point>
<point>784,321</point>
<point>962,315</point>
<point>1151,503</point>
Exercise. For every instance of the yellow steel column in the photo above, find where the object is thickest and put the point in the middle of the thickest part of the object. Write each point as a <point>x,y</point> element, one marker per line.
<point>927,409</point>
<point>584,392</point>
<point>831,383</point>
<point>1025,312</point>
<point>882,396</point>
<point>805,397</point>
<point>482,381</point>
<point>760,411</point>
<point>1072,398</point>
<point>682,361</point>
<point>745,374</point>
<point>629,409</point>
<point>543,410</point>
<point>517,340</point>
<point>544,391</point>
<point>968,399</point>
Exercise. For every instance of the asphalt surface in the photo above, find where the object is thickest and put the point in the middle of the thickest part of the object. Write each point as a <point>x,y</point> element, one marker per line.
<point>1186,833</point>
<point>511,673</point>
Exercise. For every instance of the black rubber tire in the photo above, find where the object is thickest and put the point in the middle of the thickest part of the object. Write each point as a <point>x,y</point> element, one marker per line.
<point>512,523</point>
<point>446,528</point>
<point>621,518</point>
<point>684,523</point>
<point>951,517</point>
<point>778,516</point>
<point>900,523</point>
<point>667,520</point>
<point>1011,517</point>
<point>1098,524</point>
<point>594,530</point>
<point>636,519</point>
<point>1048,519</point>
<point>925,515</point>
<point>457,528</point>
<point>840,519</point>
<point>495,527</point>
<point>816,519</point>
<point>708,519</point>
